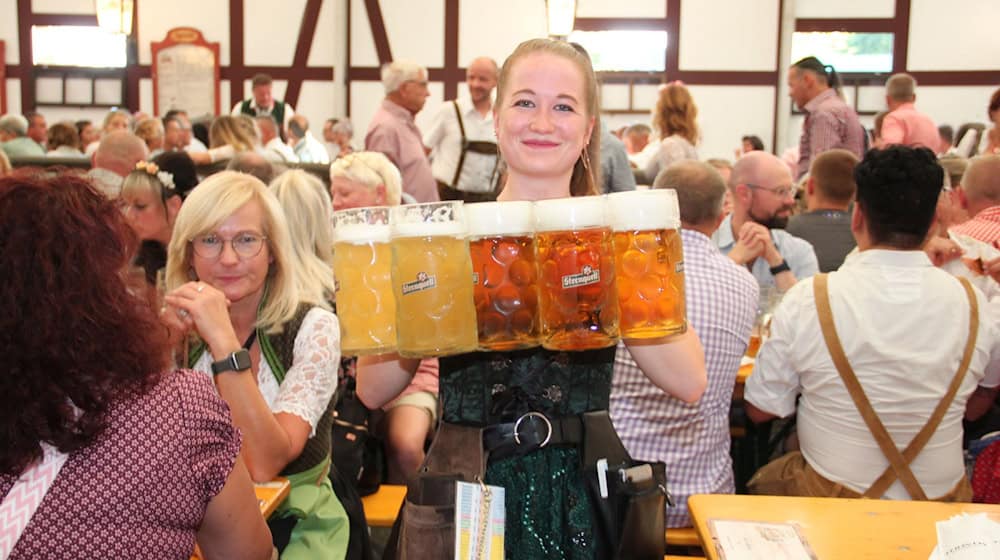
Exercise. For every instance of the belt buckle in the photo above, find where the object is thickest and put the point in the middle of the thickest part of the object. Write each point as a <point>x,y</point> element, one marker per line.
<point>548,425</point>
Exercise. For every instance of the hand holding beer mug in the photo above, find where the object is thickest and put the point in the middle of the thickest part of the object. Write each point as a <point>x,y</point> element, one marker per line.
<point>770,296</point>
<point>649,262</point>
<point>502,247</point>
<point>362,266</point>
<point>432,280</point>
<point>577,297</point>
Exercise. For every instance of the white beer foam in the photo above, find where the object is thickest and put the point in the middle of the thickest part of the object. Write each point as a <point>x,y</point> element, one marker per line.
<point>361,233</point>
<point>643,210</point>
<point>500,218</point>
<point>429,218</point>
<point>580,212</point>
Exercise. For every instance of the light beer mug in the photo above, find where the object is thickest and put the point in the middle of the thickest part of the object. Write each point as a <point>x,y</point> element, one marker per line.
<point>649,262</point>
<point>577,298</point>
<point>362,263</point>
<point>432,280</point>
<point>502,247</point>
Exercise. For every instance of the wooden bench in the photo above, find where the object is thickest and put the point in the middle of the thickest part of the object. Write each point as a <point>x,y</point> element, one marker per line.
<point>382,507</point>
<point>673,557</point>
<point>683,536</point>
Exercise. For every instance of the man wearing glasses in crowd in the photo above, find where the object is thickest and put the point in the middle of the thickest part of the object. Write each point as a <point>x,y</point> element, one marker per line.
<point>753,234</point>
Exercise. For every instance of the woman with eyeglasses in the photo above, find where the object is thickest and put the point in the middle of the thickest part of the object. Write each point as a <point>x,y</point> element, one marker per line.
<point>271,348</point>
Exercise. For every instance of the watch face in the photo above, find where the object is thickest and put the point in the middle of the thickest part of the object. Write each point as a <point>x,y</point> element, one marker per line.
<point>241,358</point>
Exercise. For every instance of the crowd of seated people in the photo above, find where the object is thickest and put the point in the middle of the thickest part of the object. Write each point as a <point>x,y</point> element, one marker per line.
<point>225,373</point>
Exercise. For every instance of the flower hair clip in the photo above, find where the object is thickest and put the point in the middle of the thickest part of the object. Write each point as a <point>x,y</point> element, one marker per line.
<point>165,177</point>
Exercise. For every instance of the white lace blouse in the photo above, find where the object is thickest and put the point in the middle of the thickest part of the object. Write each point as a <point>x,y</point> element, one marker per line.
<point>310,382</point>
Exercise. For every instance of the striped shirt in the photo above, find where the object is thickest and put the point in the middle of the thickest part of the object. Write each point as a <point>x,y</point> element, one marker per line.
<point>692,439</point>
<point>829,124</point>
<point>984,226</point>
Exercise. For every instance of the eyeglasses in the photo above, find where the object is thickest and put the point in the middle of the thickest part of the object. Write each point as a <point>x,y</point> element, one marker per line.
<point>246,244</point>
<point>780,192</point>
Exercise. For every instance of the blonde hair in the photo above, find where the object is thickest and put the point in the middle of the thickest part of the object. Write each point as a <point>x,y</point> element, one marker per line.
<point>583,181</point>
<point>148,130</point>
<point>676,113</point>
<point>370,169</point>
<point>308,210</point>
<point>211,203</point>
<point>238,132</point>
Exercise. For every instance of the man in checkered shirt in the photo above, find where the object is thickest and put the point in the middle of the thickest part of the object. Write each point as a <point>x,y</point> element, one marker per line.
<point>692,439</point>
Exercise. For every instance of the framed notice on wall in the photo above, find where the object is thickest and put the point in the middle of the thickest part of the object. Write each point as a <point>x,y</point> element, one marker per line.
<point>186,73</point>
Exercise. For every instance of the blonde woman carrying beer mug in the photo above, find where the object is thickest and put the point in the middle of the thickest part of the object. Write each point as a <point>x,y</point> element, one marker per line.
<point>533,422</point>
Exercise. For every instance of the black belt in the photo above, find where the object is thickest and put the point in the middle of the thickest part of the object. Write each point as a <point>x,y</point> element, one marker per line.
<point>530,432</point>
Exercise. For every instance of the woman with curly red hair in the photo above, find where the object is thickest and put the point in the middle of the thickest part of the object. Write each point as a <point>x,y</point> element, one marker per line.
<point>137,463</point>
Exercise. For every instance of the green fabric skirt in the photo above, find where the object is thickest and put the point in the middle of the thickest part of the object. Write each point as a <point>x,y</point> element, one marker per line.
<point>323,529</point>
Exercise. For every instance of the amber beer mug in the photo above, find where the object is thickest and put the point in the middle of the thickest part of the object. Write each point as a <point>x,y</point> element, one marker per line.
<point>649,262</point>
<point>362,263</point>
<point>502,247</point>
<point>577,298</point>
<point>432,280</point>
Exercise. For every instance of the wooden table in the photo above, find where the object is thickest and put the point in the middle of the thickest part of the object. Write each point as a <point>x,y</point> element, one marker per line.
<point>271,494</point>
<point>382,507</point>
<point>269,497</point>
<point>838,527</point>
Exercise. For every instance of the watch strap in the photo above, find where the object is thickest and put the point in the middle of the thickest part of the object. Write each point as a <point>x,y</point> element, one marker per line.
<point>781,267</point>
<point>237,361</point>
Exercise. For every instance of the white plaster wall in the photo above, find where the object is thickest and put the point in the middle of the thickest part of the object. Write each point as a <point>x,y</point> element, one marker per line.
<point>61,6</point>
<point>365,98</point>
<point>316,104</point>
<point>270,35</point>
<point>845,8</point>
<point>211,17</point>
<point>72,114</point>
<point>362,44</point>
<point>630,9</point>
<point>495,28</point>
<point>415,30</point>
<point>953,35</point>
<point>8,33</point>
<point>728,35</point>
<point>614,97</point>
<point>955,105</point>
<point>13,95</point>
<point>726,113</point>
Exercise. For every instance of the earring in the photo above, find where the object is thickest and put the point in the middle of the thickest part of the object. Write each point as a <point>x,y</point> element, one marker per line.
<point>586,159</point>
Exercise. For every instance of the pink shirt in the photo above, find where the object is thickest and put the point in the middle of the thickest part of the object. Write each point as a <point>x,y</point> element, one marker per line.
<point>394,133</point>
<point>909,127</point>
<point>829,124</point>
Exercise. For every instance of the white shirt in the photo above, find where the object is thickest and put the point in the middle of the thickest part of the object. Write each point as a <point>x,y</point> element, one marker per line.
<point>311,150</point>
<point>903,325</point>
<point>310,382</point>
<point>445,141</point>
<point>642,159</point>
<point>276,150</point>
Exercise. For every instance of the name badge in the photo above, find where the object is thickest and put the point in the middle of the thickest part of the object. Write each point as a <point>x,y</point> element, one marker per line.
<point>480,518</point>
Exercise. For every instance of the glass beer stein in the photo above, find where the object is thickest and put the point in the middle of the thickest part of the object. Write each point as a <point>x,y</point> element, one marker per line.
<point>432,280</point>
<point>649,262</point>
<point>502,247</point>
<point>577,298</point>
<point>362,264</point>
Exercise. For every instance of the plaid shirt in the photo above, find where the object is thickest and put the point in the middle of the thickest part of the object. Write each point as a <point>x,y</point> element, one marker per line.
<point>829,124</point>
<point>984,226</point>
<point>692,439</point>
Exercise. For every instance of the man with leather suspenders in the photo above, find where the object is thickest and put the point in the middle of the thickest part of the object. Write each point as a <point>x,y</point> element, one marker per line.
<point>887,352</point>
<point>463,142</point>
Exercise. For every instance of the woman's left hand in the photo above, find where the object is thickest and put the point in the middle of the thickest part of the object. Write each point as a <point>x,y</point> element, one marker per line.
<point>207,310</point>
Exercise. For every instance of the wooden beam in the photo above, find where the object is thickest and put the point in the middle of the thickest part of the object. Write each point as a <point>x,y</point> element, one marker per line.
<point>307,32</point>
<point>379,34</point>
<point>621,24</point>
<point>901,39</point>
<point>237,73</point>
<point>451,81</point>
<point>856,25</point>
<point>24,53</point>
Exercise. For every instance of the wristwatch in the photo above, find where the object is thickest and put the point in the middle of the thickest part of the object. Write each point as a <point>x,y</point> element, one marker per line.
<point>237,361</point>
<point>781,267</point>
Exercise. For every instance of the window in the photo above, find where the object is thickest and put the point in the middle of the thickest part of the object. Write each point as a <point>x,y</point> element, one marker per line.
<point>624,51</point>
<point>847,52</point>
<point>68,45</point>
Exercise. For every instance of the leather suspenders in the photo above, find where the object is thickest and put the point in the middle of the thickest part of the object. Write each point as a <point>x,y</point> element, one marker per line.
<point>474,146</point>
<point>898,462</point>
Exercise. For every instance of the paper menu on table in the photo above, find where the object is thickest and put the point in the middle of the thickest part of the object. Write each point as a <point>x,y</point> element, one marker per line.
<point>967,537</point>
<point>753,540</point>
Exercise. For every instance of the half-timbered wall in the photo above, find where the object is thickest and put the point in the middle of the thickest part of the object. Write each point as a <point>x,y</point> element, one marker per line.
<point>325,54</point>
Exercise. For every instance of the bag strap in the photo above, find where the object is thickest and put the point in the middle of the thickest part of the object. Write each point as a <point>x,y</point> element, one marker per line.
<point>24,497</point>
<point>464,145</point>
<point>898,462</point>
<point>924,435</point>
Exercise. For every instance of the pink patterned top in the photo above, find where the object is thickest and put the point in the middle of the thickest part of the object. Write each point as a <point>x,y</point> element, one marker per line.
<point>141,489</point>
